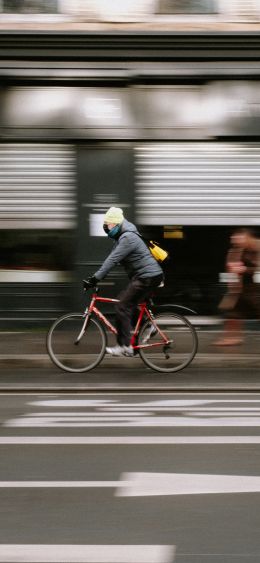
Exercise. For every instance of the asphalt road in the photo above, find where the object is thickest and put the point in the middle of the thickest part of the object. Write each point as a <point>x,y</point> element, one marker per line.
<point>130,478</point>
<point>123,375</point>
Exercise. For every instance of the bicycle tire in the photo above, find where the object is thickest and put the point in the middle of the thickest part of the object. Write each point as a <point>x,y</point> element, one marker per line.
<point>184,342</point>
<point>70,355</point>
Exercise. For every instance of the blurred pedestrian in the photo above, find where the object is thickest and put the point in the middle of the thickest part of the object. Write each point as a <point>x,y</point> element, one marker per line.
<point>241,300</point>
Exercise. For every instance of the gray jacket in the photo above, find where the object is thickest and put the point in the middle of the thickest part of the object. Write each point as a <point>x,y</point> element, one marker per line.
<point>132,253</point>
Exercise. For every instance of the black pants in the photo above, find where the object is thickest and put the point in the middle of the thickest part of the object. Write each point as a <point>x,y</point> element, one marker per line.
<point>129,298</point>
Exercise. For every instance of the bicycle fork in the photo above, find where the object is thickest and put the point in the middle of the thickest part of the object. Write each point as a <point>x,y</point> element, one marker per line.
<point>84,326</point>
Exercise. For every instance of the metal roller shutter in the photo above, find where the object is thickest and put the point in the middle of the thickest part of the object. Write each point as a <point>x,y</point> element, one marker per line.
<point>198,183</point>
<point>37,186</point>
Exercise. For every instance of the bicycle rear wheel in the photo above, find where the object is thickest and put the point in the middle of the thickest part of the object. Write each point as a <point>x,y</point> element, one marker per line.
<point>182,342</point>
<point>72,353</point>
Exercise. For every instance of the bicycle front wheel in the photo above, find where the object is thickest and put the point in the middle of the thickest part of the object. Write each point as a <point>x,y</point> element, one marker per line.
<point>181,346</point>
<point>73,349</point>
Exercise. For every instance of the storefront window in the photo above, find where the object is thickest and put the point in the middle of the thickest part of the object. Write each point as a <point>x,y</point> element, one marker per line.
<point>30,6</point>
<point>37,250</point>
<point>187,6</point>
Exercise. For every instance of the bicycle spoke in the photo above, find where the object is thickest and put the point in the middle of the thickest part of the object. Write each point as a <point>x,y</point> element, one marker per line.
<point>74,349</point>
<point>170,344</point>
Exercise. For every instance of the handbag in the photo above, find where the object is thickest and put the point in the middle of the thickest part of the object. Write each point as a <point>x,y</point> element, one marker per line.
<point>158,253</point>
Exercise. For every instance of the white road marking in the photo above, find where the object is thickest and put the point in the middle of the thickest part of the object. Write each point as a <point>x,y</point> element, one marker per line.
<point>49,421</point>
<point>87,553</point>
<point>113,413</point>
<point>91,415</point>
<point>72,402</point>
<point>58,485</point>
<point>157,405</point>
<point>142,410</point>
<point>101,402</point>
<point>127,440</point>
<point>154,484</point>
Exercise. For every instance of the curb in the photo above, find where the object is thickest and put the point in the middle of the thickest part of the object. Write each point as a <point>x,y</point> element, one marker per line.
<point>200,360</point>
<point>124,391</point>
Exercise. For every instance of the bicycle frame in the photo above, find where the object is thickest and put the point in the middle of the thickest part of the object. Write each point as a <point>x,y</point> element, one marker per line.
<point>144,311</point>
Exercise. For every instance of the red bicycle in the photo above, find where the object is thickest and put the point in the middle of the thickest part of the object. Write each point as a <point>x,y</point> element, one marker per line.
<point>166,341</point>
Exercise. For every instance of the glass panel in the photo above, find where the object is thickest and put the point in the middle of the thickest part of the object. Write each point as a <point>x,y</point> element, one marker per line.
<point>37,250</point>
<point>30,6</point>
<point>187,6</point>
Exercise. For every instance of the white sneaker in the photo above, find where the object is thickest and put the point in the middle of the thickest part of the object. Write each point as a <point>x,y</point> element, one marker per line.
<point>115,350</point>
<point>128,350</point>
<point>120,351</point>
<point>150,332</point>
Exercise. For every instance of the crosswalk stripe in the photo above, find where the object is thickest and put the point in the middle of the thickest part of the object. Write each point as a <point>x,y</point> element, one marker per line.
<point>158,404</point>
<point>57,484</point>
<point>137,422</point>
<point>126,440</point>
<point>87,553</point>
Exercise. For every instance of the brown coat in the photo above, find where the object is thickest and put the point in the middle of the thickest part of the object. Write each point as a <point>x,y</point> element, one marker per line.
<point>242,298</point>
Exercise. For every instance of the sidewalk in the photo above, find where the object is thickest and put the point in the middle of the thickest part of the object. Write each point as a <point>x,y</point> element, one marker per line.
<point>158,24</point>
<point>28,349</point>
<point>26,368</point>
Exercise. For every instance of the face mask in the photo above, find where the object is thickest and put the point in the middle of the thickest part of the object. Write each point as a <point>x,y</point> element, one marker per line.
<point>114,231</point>
<point>106,229</point>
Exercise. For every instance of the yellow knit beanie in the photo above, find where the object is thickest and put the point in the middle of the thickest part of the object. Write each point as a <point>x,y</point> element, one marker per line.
<point>114,215</point>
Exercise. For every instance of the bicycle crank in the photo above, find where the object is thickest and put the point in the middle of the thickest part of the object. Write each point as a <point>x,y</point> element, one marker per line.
<point>166,348</point>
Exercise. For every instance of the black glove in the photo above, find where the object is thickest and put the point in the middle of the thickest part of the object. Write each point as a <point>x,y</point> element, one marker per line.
<point>90,282</point>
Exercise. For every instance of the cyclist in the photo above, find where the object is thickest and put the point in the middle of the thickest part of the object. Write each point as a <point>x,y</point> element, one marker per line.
<point>143,270</point>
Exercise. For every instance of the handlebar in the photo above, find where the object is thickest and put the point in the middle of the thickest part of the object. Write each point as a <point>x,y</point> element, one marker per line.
<point>87,287</point>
